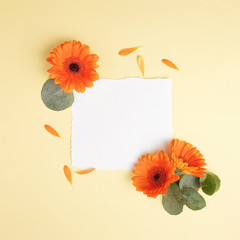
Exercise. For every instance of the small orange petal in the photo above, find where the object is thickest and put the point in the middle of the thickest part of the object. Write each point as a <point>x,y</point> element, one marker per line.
<point>140,62</point>
<point>127,51</point>
<point>86,171</point>
<point>52,131</point>
<point>67,173</point>
<point>169,64</point>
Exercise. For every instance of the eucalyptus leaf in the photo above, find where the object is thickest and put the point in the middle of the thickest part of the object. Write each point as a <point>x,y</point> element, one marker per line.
<point>203,179</point>
<point>211,184</point>
<point>188,180</point>
<point>178,172</point>
<point>193,199</point>
<point>54,97</point>
<point>173,200</point>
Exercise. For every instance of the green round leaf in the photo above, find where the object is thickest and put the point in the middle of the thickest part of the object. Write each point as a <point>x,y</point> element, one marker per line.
<point>203,179</point>
<point>54,97</point>
<point>178,172</point>
<point>188,180</point>
<point>217,181</point>
<point>173,200</point>
<point>211,184</point>
<point>193,199</point>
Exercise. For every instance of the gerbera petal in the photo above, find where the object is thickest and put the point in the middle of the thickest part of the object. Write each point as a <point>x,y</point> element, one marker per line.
<point>50,60</point>
<point>91,59</point>
<point>174,178</point>
<point>76,48</point>
<point>87,83</point>
<point>60,50</point>
<point>57,80</point>
<point>80,87</point>
<point>164,190</point>
<point>67,49</point>
<point>90,75</point>
<point>53,75</point>
<point>83,51</point>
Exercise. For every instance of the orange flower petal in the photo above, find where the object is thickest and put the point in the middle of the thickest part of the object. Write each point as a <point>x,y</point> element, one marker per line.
<point>141,65</point>
<point>127,51</point>
<point>169,64</point>
<point>52,131</point>
<point>67,173</point>
<point>85,171</point>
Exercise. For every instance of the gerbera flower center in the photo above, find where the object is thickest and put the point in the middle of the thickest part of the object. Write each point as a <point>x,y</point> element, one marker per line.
<point>157,177</point>
<point>74,67</point>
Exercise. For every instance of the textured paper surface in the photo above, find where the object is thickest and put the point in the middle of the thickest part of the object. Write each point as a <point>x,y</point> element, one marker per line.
<point>117,121</point>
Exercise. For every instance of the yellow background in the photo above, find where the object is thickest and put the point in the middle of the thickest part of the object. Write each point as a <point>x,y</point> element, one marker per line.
<point>201,37</point>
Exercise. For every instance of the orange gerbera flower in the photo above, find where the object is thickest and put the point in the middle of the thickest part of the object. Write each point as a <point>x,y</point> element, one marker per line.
<point>187,158</point>
<point>154,173</point>
<point>73,66</point>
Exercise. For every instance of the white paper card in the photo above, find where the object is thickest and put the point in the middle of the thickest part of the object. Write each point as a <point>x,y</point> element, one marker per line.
<point>117,121</point>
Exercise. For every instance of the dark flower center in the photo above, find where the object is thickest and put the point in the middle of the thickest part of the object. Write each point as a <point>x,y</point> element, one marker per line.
<point>74,67</point>
<point>156,176</point>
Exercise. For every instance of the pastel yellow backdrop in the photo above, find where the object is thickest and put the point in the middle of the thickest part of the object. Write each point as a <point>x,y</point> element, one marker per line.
<point>201,37</point>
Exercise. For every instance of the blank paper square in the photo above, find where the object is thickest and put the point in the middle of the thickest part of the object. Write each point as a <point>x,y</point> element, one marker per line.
<point>117,121</point>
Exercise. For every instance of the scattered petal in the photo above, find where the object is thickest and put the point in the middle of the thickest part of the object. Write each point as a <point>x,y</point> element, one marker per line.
<point>67,173</point>
<point>52,131</point>
<point>170,64</point>
<point>86,171</point>
<point>140,62</point>
<point>127,51</point>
